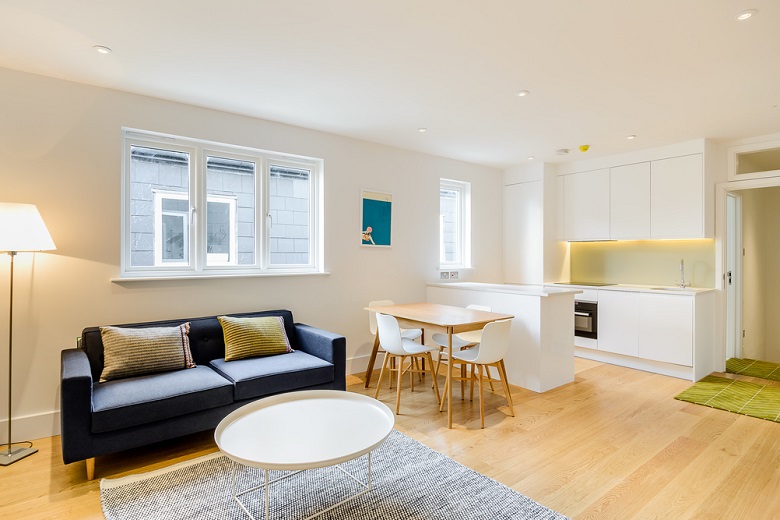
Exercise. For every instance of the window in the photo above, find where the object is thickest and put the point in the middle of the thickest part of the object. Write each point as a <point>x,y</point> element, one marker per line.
<point>454,224</point>
<point>195,208</point>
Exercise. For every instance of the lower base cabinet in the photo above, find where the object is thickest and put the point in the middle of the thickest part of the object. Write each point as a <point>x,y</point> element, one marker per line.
<point>666,325</point>
<point>618,322</point>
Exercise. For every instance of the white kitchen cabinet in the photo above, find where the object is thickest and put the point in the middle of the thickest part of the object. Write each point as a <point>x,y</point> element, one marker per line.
<point>586,205</point>
<point>677,197</point>
<point>666,324</point>
<point>523,233</point>
<point>618,322</point>
<point>629,202</point>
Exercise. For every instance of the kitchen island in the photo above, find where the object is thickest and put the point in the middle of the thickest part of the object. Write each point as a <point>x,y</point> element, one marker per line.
<point>541,339</point>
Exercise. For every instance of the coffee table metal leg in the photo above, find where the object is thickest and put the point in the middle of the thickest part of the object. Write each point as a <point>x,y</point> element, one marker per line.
<point>367,486</point>
<point>267,496</point>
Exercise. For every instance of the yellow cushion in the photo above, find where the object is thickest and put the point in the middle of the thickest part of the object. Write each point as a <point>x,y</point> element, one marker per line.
<point>251,337</point>
<point>129,352</point>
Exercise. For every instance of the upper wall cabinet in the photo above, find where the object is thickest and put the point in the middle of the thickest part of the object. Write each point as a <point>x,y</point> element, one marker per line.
<point>629,202</point>
<point>657,199</point>
<point>586,205</point>
<point>677,197</point>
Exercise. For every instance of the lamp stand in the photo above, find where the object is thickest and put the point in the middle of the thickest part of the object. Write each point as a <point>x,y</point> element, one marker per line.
<point>8,455</point>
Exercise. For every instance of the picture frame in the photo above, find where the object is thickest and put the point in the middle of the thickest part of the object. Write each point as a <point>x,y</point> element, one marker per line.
<point>376,219</point>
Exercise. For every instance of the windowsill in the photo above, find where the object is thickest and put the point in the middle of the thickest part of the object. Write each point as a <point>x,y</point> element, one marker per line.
<point>221,276</point>
<point>443,268</point>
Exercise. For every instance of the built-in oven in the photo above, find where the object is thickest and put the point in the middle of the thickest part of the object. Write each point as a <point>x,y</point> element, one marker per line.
<point>586,319</point>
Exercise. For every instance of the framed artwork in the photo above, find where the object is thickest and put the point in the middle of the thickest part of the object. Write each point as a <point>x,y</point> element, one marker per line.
<point>376,212</point>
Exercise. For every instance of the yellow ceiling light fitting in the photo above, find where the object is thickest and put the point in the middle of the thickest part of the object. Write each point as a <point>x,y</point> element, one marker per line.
<point>584,147</point>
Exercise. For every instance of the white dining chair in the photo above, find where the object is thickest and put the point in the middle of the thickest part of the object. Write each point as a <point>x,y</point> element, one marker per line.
<point>490,352</point>
<point>405,333</point>
<point>459,341</point>
<point>398,347</point>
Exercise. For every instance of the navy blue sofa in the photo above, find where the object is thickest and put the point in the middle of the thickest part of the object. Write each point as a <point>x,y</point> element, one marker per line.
<point>101,418</point>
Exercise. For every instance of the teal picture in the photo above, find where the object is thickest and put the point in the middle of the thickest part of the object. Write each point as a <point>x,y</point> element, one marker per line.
<point>376,216</point>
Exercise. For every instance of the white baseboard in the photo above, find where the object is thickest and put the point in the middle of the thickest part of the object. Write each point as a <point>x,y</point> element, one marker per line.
<point>657,367</point>
<point>31,427</point>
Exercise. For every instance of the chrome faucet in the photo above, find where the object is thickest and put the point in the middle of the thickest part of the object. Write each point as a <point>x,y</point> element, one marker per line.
<point>682,283</point>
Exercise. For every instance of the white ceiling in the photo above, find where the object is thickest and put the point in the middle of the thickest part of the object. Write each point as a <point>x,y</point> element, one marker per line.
<point>598,70</point>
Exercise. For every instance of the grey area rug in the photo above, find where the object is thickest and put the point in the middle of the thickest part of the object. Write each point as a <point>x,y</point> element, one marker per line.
<point>410,481</point>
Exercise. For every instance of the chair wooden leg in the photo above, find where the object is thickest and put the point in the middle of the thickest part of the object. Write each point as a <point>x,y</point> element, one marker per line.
<point>481,397</point>
<point>505,381</point>
<point>471,381</point>
<point>381,375</point>
<point>463,368</point>
<point>90,468</point>
<point>444,394</point>
<point>489,378</point>
<point>398,389</point>
<point>412,370</point>
<point>438,363</point>
<point>433,376</point>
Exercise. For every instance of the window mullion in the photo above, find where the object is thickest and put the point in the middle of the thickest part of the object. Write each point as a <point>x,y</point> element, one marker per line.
<point>198,211</point>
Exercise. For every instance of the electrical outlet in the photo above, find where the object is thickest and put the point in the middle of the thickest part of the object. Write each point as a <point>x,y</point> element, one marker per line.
<point>453,274</point>
<point>444,275</point>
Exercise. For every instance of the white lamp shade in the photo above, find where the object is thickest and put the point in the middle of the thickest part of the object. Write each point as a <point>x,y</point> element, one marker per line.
<point>22,229</point>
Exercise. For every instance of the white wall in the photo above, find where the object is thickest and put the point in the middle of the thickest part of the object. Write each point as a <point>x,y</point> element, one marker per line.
<point>60,148</point>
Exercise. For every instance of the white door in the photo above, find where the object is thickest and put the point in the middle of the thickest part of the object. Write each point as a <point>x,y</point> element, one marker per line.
<point>733,279</point>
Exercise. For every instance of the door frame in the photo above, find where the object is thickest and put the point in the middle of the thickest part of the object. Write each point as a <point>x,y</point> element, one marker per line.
<point>722,190</point>
<point>733,281</point>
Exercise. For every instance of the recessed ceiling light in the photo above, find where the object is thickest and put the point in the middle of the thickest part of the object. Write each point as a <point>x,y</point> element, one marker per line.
<point>629,137</point>
<point>531,157</point>
<point>102,49</point>
<point>522,93</point>
<point>746,14</point>
<point>422,130</point>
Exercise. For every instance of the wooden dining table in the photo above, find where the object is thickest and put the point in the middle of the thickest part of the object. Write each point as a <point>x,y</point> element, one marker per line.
<point>433,318</point>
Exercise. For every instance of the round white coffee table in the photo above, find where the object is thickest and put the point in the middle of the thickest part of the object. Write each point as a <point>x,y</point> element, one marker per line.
<point>340,426</point>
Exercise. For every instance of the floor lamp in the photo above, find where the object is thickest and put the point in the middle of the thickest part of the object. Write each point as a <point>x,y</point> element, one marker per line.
<point>21,230</point>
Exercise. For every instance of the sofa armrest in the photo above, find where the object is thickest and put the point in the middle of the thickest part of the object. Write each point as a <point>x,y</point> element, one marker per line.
<point>75,405</point>
<point>325,345</point>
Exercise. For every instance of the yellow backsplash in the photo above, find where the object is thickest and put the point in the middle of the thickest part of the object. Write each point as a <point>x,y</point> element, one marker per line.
<point>644,262</point>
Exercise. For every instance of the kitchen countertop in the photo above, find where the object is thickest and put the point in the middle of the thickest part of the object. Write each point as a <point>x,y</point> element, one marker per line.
<point>661,289</point>
<point>525,290</point>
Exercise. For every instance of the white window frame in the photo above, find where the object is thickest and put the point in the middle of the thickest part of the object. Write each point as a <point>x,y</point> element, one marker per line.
<point>199,264</point>
<point>313,236</point>
<point>463,218</point>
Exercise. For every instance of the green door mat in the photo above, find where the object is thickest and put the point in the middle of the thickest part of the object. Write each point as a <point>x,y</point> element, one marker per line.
<point>735,396</point>
<point>751,367</point>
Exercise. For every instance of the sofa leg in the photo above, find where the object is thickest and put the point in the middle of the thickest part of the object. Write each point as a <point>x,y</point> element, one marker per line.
<point>90,468</point>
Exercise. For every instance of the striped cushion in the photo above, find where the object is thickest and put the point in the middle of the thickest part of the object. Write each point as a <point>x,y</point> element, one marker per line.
<point>251,337</point>
<point>133,352</point>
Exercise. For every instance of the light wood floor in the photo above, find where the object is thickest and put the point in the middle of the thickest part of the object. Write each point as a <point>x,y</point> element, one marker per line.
<point>613,444</point>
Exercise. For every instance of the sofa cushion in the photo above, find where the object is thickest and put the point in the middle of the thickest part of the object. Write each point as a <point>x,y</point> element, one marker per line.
<point>252,337</point>
<point>206,338</point>
<point>257,377</point>
<point>145,399</point>
<point>132,352</point>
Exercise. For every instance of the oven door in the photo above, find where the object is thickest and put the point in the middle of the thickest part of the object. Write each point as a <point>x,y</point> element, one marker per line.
<point>586,319</point>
